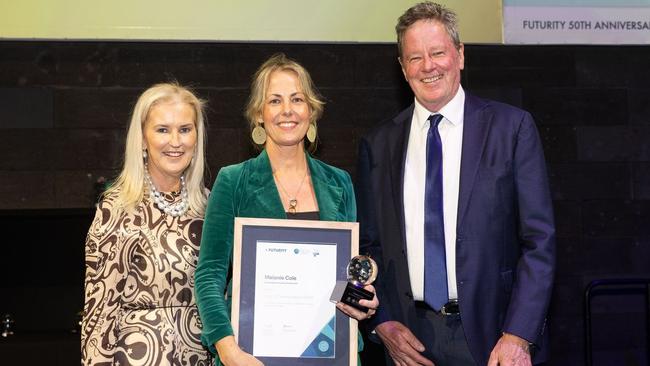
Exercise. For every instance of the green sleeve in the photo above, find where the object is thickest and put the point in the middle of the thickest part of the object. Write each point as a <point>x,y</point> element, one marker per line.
<point>214,260</point>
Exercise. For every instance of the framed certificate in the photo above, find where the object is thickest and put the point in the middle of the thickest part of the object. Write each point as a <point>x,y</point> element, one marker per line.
<point>283,275</point>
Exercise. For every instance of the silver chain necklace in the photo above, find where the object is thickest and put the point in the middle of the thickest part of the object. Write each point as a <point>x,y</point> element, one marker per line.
<point>172,209</point>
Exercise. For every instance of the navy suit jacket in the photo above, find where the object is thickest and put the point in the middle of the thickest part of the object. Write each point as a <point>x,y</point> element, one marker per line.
<point>505,245</point>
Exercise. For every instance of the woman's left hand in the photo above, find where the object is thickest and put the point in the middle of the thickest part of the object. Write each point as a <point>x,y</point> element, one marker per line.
<point>372,306</point>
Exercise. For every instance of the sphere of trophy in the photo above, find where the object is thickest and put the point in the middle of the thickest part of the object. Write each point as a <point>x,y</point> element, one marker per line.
<point>362,270</point>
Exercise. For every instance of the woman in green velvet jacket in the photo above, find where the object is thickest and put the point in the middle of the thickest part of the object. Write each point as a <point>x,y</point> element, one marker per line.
<point>284,181</point>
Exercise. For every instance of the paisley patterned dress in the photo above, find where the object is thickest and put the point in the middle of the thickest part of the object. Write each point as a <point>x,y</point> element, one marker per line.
<point>139,288</point>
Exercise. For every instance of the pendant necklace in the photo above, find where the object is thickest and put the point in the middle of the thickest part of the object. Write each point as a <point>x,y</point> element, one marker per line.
<point>293,202</point>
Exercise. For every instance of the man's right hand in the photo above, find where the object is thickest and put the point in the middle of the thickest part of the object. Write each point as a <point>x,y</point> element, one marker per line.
<point>402,344</point>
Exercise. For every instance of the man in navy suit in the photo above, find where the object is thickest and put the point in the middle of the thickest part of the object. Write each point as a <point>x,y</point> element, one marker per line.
<point>454,205</point>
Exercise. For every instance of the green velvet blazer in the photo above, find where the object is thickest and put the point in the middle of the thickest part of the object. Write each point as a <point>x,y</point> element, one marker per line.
<point>247,189</point>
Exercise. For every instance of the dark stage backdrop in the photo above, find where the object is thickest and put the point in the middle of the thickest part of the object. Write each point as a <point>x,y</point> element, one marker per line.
<point>64,107</point>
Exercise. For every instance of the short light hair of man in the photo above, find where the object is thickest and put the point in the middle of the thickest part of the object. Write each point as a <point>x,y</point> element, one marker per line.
<point>429,11</point>
<point>130,184</point>
<point>260,83</point>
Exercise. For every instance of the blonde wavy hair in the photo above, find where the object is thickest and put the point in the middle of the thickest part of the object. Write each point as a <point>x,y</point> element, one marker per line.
<point>260,84</point>
<point>129,187</point>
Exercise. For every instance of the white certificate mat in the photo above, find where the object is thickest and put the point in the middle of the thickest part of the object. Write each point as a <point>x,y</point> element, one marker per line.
<point>293,314</point>
<point>282,279</point>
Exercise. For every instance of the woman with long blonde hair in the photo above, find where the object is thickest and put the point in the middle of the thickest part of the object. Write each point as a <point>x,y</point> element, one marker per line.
<point>283,181</point>
<point>142,247</point>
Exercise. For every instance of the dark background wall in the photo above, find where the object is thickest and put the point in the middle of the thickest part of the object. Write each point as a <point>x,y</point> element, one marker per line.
<point>64,108</point>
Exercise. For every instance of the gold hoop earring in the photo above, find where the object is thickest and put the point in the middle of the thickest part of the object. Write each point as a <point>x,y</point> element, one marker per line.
<point>259,134</point>
<point>311,133</point>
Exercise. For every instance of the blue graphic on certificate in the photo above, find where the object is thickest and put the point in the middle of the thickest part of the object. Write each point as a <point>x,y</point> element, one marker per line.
<point>293,314</point>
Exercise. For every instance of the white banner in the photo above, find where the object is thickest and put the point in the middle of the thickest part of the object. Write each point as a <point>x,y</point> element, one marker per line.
<point>576,21</point>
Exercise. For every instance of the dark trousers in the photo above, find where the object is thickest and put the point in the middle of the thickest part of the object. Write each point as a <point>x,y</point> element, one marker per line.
<point>442,336</point>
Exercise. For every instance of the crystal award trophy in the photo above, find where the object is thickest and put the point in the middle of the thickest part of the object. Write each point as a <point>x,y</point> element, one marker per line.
<point>362,270</point>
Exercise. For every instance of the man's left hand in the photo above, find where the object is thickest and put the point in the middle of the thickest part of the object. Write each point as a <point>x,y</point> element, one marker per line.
<point>510,350</point>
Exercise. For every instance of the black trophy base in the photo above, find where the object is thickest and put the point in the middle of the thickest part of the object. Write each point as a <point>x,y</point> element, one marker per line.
<point>353,294</point>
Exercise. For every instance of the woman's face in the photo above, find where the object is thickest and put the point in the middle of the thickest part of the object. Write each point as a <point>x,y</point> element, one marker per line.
<point>169,135</point>
<point>286,111</point>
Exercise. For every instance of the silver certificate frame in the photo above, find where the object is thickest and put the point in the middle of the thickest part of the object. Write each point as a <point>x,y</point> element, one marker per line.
<point>283,274</point>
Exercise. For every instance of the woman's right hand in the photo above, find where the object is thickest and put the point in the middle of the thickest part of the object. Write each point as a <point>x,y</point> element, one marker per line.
<point>242,358</point>
<point>231,355</point>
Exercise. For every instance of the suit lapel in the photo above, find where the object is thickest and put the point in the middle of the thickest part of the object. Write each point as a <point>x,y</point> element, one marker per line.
<point>475,132</point>
<point>263,197</point>
<point>328,194</point>
<point>398,144</point>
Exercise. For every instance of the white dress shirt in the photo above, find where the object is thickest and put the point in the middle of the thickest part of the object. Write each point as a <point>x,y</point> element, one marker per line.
<point>451,134</point>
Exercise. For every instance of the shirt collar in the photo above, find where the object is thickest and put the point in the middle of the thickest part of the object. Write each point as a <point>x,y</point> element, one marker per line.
<point>452,111</point>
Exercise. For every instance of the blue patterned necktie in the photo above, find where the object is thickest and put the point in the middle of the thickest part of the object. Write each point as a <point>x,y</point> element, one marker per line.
<point>435,262</point>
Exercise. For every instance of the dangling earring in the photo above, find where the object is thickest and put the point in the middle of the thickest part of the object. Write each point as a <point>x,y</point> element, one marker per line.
<point>259,134</point>
<point>144,155</point>
<point>311,132</point>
